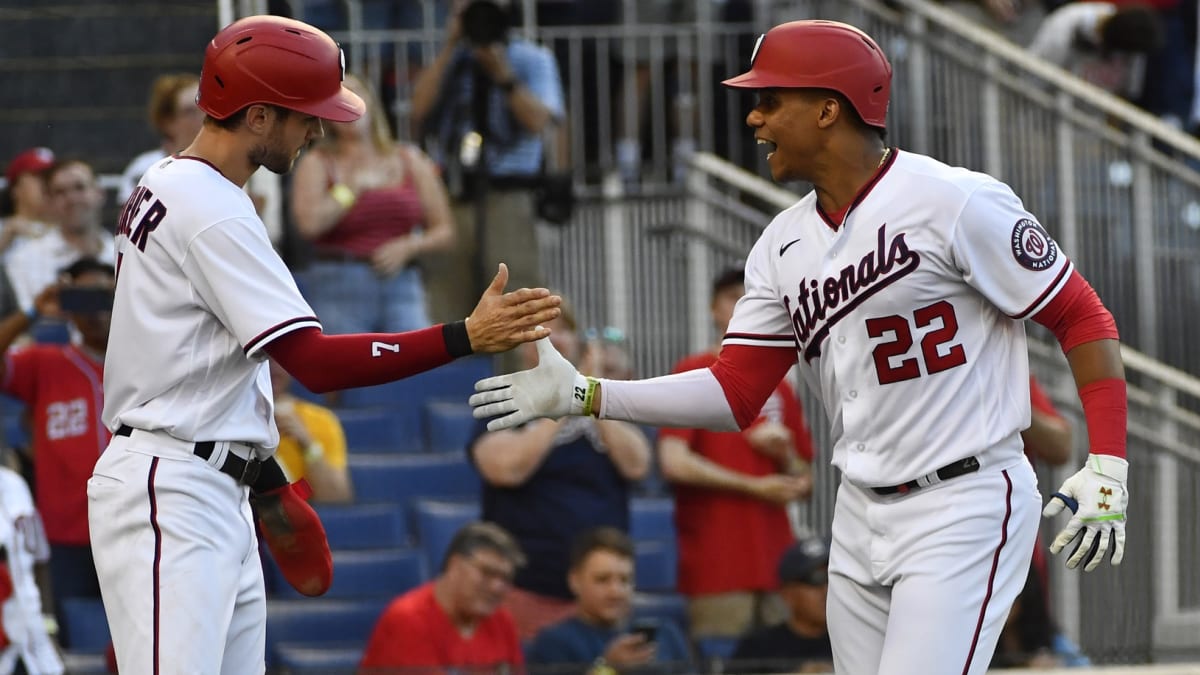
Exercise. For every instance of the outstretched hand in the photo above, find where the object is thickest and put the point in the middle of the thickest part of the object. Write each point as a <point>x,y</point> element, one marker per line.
<point>502,320</point>
<point>552,389</point>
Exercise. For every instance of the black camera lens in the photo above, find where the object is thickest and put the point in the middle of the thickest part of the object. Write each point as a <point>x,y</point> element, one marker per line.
<point>484,23</point>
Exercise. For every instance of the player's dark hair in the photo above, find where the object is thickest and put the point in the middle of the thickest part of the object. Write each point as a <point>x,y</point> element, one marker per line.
<point>1136,29</point>
<point>486,536</point>
<point>87,265</point>
<point>600,539</point>
<point>730,276</point>
<point>236,120</point>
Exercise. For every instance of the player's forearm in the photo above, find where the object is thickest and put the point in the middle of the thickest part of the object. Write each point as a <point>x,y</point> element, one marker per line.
<point>693,399</point>
<point>324,363</point>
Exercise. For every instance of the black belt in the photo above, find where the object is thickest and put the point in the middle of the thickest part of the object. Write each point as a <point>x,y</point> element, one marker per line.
<point>241,470</point>
<point>960,468</point>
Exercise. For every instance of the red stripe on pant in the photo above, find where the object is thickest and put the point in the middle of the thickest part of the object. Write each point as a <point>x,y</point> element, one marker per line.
<point>992,576</point>
<point>157,552</point>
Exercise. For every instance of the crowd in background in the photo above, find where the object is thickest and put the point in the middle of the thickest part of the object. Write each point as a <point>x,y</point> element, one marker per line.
<point>399,236</point>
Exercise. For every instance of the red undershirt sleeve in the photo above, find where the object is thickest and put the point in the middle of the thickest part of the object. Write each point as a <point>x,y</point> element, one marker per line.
<point>325,363</point>
<point>748,375</point>
<point>1076,316</point>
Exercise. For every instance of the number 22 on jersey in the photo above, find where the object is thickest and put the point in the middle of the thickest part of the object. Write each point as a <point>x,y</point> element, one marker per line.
<point>937,351</point>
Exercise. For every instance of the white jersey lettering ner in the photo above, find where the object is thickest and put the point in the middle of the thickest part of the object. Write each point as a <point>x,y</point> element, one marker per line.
<point>199,292</point>
<point>907,317</point>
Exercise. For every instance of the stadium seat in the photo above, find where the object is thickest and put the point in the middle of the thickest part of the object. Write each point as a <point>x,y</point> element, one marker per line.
<point>364,526</point>
<point>652,518</point>
<point>365,574</point>
<point>301,659</point>
<point>455,380</point>
<point>661,606</point>
<point>436,523</point>
<point>16,432</point>
<point>322,623</point>
<point>716,647</point>
<point>449,425</point>
<point>403,478</point>
<point>655,563</point>
<point>86,625</point>
<point>381,430</point>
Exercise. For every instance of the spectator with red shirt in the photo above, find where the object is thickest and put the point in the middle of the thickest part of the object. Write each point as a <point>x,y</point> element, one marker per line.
<point>61,385</point>
<point>731,490</point>
<point>456,619</point>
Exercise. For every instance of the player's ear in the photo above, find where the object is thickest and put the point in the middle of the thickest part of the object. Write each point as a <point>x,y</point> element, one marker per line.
<point>829,110</point>
<point>259,117</point>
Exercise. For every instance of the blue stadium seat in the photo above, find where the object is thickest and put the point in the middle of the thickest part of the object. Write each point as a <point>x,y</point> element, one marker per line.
<point>455,380</point>
<point>716,647</point>
<point>449,425</point>
<point>652,518</point>
<point>365,574</point>
<point>302,659</point>
<point>16,432</point>
<point>436,523</point>
<point>363,526</point>
<point>322,623</point>
<point>661,606</point>
<point>402,478</point>
<point>381,430</point>
<point>86,624</point>
<point>655,565</point>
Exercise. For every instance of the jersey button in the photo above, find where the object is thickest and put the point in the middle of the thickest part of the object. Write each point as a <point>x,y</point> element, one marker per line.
<point>842,339</point>
<point>860,447</point>
<point>853,394</point>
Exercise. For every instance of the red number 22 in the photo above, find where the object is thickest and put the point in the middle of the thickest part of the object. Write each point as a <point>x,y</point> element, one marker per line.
<point>909,368</point>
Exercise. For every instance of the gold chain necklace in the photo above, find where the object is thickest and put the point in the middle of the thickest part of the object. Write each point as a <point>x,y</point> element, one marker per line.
<point>886,153</point>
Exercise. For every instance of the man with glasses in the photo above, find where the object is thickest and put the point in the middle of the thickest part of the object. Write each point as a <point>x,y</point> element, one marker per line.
<point>456,619</point>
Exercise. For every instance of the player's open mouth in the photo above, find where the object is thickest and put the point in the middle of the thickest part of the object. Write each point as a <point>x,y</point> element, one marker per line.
<point>769,144</point>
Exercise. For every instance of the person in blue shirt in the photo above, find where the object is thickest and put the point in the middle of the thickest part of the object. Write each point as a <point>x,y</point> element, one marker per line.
<point>547,481</point>
<point>603,633</point>
<point>487,100</point>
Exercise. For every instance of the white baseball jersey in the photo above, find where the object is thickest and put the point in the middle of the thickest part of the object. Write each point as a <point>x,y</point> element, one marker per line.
<point>24,542</point>
<point>908,316</point>
<point>199,291</point>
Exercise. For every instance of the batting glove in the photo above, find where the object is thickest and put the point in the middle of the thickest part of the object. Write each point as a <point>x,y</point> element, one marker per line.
<point>553,389</point>
<point>1097,497</point>
<point>294,533</point>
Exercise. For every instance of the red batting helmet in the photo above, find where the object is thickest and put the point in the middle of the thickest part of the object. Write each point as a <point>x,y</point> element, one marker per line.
<point>825,55</point>
<point>283,62</point>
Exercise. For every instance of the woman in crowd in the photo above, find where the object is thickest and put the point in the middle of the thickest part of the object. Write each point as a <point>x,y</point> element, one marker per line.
<point>371,208</point>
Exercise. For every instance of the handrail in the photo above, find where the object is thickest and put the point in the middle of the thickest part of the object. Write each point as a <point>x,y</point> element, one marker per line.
<point>1059,78</point>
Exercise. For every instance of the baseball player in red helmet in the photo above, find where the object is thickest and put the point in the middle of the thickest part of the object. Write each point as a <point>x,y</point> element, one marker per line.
<point>900,285</point>
<point>201,300</point>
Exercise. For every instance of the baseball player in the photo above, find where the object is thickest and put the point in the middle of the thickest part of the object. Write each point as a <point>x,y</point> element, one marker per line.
<point>24,630</point>
<point>900,285</point>
<point>201,299</point>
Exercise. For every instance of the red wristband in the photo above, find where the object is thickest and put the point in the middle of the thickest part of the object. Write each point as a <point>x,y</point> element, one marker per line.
<point>1106,407</point>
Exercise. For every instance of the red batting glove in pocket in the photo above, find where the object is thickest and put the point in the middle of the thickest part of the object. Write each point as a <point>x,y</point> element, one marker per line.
<point>296,537</point>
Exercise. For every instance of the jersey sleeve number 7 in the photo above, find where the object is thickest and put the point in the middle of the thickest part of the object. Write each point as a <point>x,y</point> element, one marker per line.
<point>931,353</point>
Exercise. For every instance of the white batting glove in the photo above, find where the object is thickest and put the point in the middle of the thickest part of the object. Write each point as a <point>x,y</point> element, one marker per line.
<point>1097,497</point>
<point>552,389</point>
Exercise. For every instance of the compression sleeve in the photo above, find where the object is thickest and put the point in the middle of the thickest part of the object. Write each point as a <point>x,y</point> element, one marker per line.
<point>325,363</point>
<point>724,397</point>
<point>1075,315</point>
